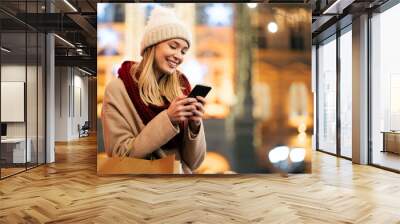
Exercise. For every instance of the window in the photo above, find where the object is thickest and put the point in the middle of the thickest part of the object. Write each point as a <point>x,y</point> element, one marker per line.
<point>346,94</point>
<point>22,74</point>
<point>327,96</point>
<point>385,89</point>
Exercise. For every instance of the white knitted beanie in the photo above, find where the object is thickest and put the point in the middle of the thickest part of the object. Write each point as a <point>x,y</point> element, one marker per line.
<point>162,25</point>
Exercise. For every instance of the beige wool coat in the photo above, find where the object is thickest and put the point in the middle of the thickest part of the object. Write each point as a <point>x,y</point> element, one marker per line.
<point>126,135</point>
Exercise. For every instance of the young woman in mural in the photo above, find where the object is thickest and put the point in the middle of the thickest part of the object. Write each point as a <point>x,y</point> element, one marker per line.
<point>146,112</point>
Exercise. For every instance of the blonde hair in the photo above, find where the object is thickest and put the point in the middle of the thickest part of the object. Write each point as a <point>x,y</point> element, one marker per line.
<point>150,90</point>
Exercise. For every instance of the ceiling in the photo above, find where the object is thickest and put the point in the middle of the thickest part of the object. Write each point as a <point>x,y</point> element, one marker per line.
<point>76,23</point>
<point>331,15</point>
<point>76,20</point>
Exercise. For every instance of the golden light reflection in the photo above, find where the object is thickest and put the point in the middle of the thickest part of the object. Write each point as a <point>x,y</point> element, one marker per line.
<point>99,106</point>
<point>301,138</point>
<point>302,128</point>
<point>214,110</point>
<point>214,163</point>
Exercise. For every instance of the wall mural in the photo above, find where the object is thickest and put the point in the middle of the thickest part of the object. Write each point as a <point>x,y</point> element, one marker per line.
<point>259,113</point>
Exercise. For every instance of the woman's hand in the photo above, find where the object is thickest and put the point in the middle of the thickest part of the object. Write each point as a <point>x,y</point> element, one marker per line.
<point>198,113</point>
<point>181,109</point>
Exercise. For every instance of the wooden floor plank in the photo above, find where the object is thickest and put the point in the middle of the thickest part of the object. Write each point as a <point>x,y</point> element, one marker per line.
<point>69,191</point>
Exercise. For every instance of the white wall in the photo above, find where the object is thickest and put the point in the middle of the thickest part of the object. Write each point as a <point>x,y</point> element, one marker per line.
<point>80,83</point>
<point>33,127</point>
<point>70,83</point>
<point>17,73</point>
<point>61,103</point>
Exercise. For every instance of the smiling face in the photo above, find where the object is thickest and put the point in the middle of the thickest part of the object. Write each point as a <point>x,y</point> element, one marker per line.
<point>169,54</point>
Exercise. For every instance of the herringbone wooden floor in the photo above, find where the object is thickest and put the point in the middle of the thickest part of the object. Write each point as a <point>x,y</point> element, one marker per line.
<point>69,191</point>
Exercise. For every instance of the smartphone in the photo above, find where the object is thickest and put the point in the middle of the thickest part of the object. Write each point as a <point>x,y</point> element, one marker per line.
<point>199,90</point>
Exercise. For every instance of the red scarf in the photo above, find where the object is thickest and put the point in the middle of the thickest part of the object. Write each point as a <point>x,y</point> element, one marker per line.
<point>147,113</point>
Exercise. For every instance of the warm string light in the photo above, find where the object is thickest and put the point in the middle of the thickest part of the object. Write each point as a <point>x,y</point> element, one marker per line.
<point>252,5</point>
<point>272,27</point>
<point>282,153</point>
